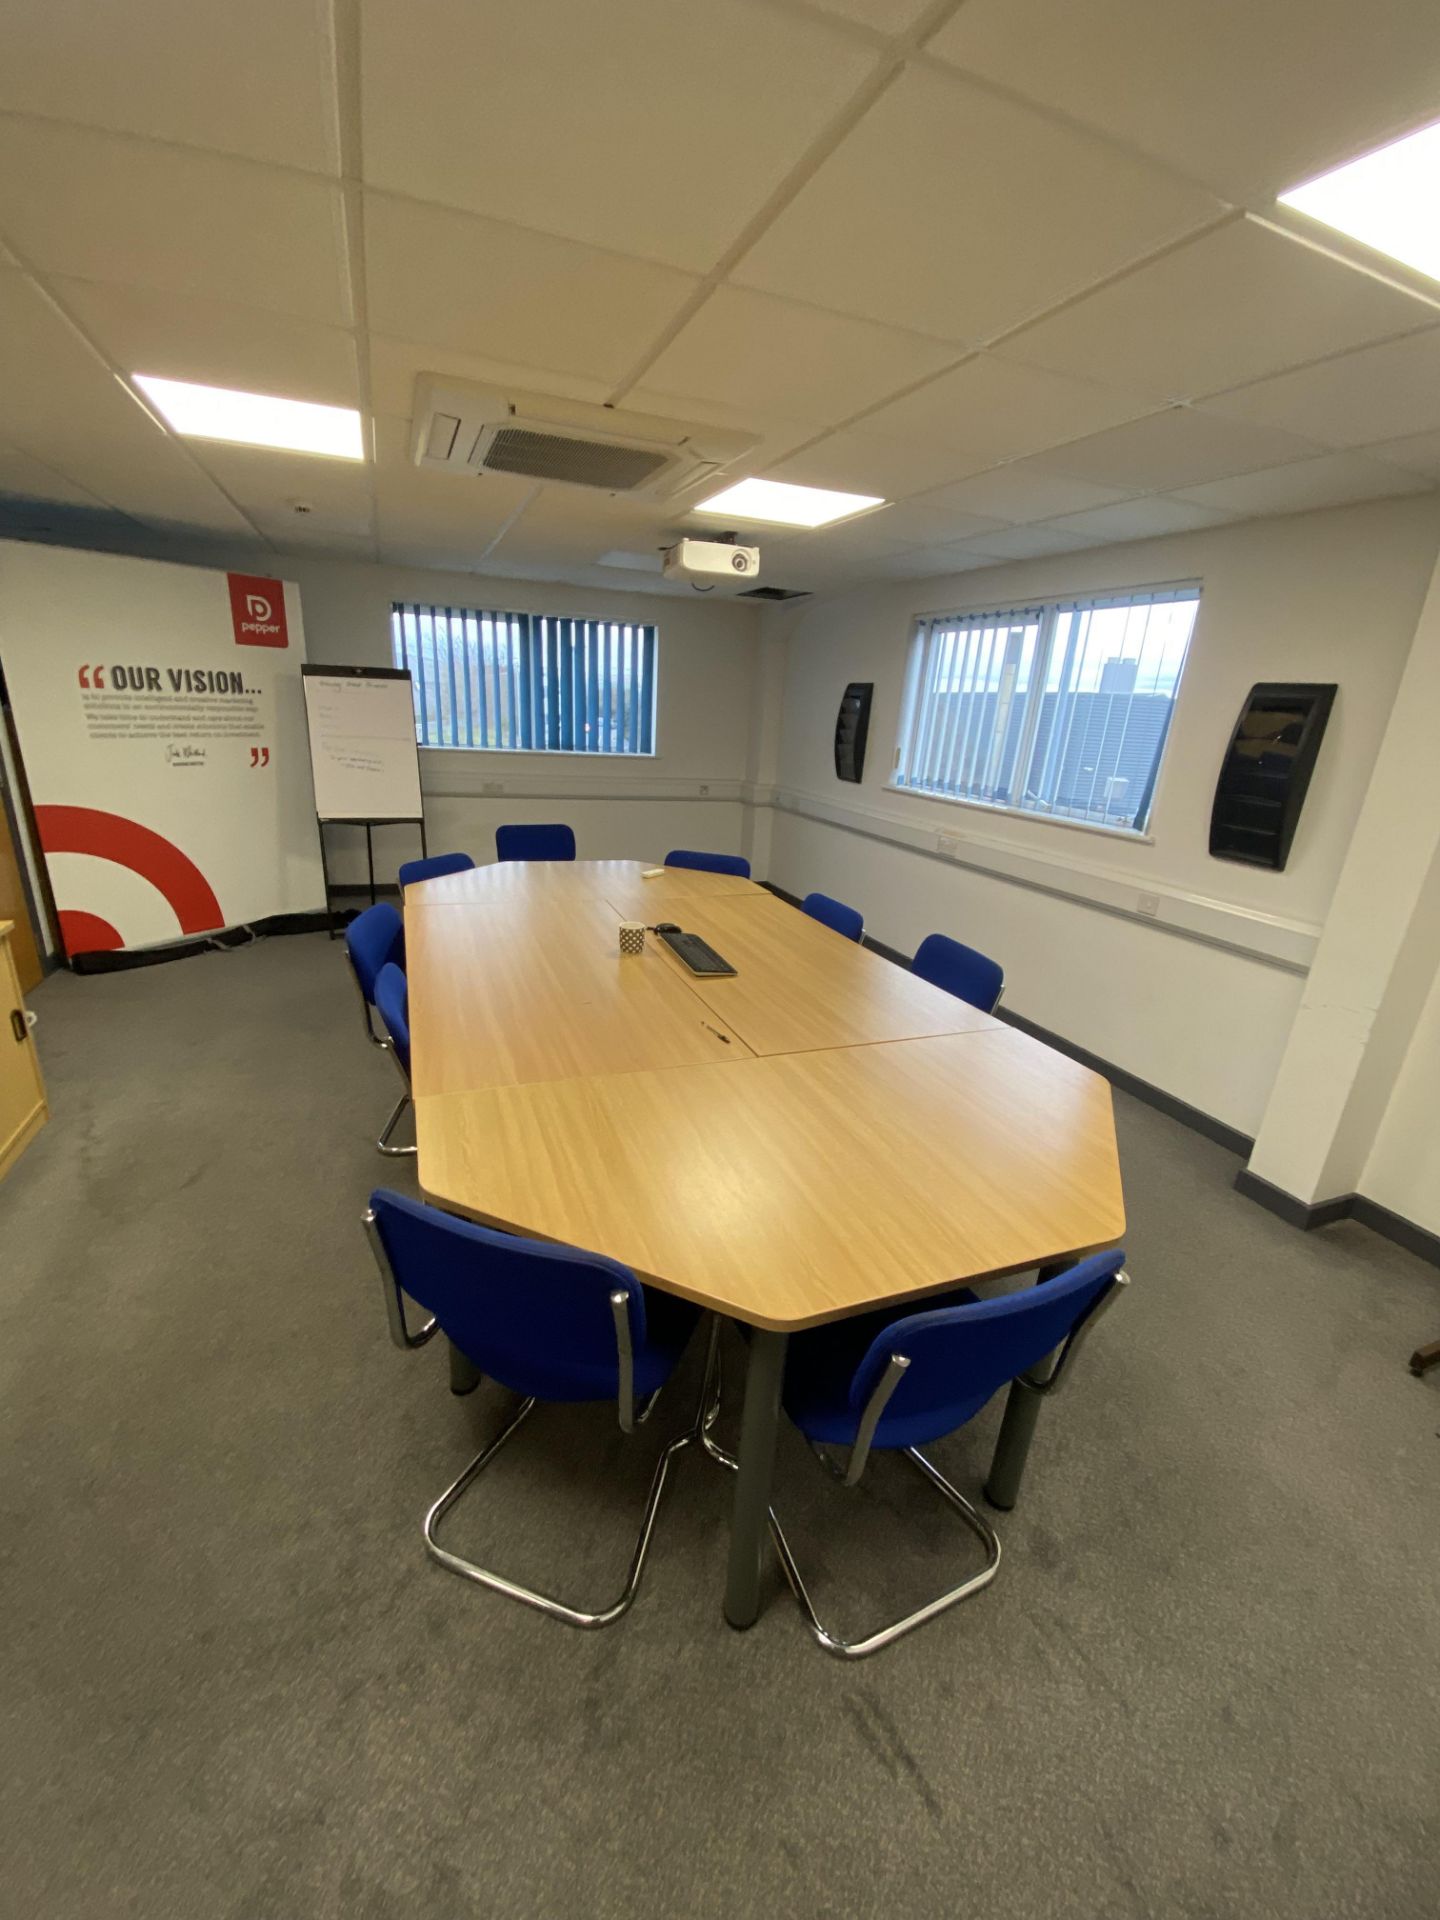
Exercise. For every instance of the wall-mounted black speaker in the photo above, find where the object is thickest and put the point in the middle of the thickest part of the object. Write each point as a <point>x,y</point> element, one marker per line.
<point>1266,772</point>
<point>852,726</point>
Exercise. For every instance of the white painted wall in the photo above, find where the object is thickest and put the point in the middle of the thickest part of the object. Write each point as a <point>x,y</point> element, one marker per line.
<point>1403,1170</point>
<point>619,807</point>
<point>1322,596</point>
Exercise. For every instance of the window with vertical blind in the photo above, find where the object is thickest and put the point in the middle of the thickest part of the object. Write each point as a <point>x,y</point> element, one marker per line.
<point>1060,709</point>
<point>527,682</point>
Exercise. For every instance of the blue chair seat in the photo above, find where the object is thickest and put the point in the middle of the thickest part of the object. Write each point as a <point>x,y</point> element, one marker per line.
<point>823,1361</point>
<point>433,867</point>
<point>548,842</point>
<point>732,863</point>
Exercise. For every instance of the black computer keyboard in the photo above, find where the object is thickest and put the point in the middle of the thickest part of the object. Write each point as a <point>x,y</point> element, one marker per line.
<point>698,955</point>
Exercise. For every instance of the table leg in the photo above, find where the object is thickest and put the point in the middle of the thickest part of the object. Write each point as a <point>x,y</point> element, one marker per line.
<point>751,1518</point>
<point>465,1376</point>
<point>1017,1430</point>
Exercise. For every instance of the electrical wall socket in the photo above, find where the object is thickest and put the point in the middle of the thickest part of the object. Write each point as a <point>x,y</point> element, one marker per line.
<point>1149,905</point>
<point>704,793</point>
<point>949,844</point>
<point>492,787</point>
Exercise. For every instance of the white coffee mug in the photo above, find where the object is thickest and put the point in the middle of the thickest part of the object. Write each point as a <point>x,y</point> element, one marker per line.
<point>632,936</point>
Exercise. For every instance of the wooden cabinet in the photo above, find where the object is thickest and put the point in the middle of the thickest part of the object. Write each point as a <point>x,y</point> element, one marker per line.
<point>22,1092</point>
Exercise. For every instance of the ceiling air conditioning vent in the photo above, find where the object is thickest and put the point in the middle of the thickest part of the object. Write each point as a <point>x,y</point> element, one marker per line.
<point>460,428</point>
<point>583,463</point>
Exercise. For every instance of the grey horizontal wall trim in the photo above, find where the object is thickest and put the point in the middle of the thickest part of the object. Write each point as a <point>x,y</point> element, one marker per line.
<point>1195,1118</point>
<point>1288,945</point>
<point>1365,1212</point>
<point>439,781</point>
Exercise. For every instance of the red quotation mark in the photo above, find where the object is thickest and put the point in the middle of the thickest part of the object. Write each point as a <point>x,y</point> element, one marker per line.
<point>92,677</point>
<point>259,756</point>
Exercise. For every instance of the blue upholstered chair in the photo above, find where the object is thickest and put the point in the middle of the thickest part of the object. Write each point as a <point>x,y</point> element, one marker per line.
<point>891,1381</point>
<point>535,843</point>
<point>433,867</point>
<point>392,998</point>
<point>834,914</point>
<point>372,940</point>
<point>547,1322</point>
<point>710,862</point>
<point>959,970</point>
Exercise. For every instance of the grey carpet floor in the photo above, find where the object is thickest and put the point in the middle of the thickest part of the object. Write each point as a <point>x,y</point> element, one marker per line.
<point>1204,1684</point>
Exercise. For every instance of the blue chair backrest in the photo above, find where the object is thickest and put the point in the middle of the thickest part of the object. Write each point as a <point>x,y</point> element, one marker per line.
<point>433,867</point>
<point>392,997</point>
<point>959,970</point>
<point>710,862</point>
<point>374,939</point>
<point>535,843</point>
<point>960,1356</point>
<point>834,913</point>
<point>535,1317</point>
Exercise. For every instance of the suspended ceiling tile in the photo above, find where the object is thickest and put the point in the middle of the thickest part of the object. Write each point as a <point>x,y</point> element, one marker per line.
<point>1034,542</point>
<point>926,563</point>
<point>774,435</point>
<point>268,484</point>
<point>101,207</point>
<point>1415,453</point>
<point>62,406</point>
<point>1140,519</point>
<point>1332,480</point>
<point>649,126</point>
<point>395,366</point>
<point>24,477</point>
<point>256,80</point>
<point>958,214</point>
<point>862,461</point>
<point>989,410</point>
<point>507,294</point>
<point>1022,490</point>
<point>218,345</point>
<point>418,505</point>
<point>889,17</point>
<point>1238,303</point>
<point>935,520</point>
<point>749,350</point>
<point>1376,393</point>
<point>1247,98</point>
<point>1177,448</point>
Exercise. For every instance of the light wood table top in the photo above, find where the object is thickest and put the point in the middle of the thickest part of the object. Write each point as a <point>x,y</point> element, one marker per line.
<point>799,1188</point>
<point>800,985</point>
<point>820,1134</point>
<point>621,882</point>
<point>537,989</point>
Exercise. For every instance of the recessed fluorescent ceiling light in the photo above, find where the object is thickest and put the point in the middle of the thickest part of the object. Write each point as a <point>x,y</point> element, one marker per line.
<point>785,506</point>
<point>1388,199</point>
<point>255,419</point>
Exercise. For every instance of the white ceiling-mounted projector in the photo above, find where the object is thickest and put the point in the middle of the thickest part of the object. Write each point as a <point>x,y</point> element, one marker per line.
<point>711,561</point>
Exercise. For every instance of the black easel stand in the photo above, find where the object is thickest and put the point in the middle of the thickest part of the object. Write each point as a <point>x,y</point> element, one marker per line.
<point>404,820</point>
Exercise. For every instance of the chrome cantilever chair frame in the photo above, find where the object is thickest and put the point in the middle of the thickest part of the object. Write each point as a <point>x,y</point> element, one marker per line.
<point>396,1112</point>
<point>630,1418</point>
<point>366,1010</point>
<point>855,1466</point>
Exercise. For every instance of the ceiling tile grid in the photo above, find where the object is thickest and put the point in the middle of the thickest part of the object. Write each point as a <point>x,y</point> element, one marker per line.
<point>1011,277</point>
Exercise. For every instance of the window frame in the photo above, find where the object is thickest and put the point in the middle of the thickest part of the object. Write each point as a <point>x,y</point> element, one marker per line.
<point>400,609</point>
<point>1045,613</point>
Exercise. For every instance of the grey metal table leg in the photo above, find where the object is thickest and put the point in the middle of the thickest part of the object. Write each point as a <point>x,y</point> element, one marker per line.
<point>751,1519</point>
<point>1017,1430</point>
<point>465,1376</point>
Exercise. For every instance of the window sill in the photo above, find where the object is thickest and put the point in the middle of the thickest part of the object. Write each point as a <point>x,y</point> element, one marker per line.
<point>1128,834</point>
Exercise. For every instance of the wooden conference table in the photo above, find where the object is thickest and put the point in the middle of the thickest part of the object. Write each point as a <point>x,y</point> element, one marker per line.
<point>817,1136</point>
